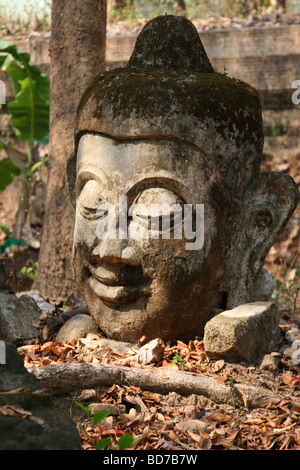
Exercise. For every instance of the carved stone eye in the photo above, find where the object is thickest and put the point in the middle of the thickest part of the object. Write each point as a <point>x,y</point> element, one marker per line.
<point>263,219</point>
<point>156,208</point>
<point>90,200</point>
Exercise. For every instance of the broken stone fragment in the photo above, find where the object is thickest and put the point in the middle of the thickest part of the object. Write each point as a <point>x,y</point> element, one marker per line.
<point>245,333</point>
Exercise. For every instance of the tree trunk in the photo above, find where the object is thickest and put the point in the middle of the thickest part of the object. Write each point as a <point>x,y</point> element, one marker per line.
<point>77,55</point>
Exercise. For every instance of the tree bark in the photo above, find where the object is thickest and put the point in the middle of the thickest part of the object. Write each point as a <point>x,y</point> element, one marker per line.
<point>57,379</point>
<point>77,55</point>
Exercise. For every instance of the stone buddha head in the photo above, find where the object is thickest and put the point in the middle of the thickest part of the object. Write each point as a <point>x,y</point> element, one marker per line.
<point>173,217</point>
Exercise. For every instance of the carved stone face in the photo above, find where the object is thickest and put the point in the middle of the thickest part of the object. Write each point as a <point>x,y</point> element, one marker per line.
<point>167,132</point>
<point>138,278</point>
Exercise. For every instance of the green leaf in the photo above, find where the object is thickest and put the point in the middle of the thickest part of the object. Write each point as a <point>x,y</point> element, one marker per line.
<point>100,416</point>
<point>103,443</point>
<point>29,113</point>
<point>84,408</point>
<point>7,173</point>
<point>17,65</point>
<point>4,229</point>
<point>14,68</point>
<point>127,441</point>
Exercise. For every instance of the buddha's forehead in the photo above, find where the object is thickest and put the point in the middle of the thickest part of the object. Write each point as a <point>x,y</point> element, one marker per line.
<point>127,162</point>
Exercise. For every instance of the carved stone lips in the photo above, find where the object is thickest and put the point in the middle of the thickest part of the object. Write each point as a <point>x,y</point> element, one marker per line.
<point>119,283</point>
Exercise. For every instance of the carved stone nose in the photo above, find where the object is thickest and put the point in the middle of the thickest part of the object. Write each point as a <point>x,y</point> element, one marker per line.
<point>115,251</point>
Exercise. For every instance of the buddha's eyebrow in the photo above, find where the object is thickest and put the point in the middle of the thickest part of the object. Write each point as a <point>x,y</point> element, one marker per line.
<point>87,175</point>
<point>170,184</point>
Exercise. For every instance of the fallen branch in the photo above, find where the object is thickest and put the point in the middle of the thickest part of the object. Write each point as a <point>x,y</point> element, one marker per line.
<point>57,379</point>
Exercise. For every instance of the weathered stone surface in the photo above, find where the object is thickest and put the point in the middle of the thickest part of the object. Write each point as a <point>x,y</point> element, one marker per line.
<point>77,327</point>
<point>3,279</point>
<point>29,420</point>
<point>264,286</point>
<point>167,130</point>
<point>244,333</point>
<point>13,374</point>
<point>16,318</point>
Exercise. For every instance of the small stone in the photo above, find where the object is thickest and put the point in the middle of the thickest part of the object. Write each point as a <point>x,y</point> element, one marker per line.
<point>87,394</point>
<point>295,356</point>
<point>77,327</point>
<point>270,363</point>
<point>292,335</point>
<point>114,410</point>
<point>246,332</point>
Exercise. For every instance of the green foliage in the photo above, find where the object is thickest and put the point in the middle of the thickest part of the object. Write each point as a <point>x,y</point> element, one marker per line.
<point>100,416</point>
<point>4,229</point>
<point>12,244</point>
<point>7,171</point>
<point>29,112</point>
<point>84,408</point>
<point>29,269</point>
<point>177,359</point>
<point>102,443</point>
<point>126,441</point>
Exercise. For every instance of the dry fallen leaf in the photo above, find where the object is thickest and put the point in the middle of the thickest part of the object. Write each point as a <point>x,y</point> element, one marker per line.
<point>287,378</point>
<point>220,417</point>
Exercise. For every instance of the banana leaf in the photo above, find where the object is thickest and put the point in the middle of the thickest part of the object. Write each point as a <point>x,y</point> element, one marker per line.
<point>7,173</point>
<point>29,112</point>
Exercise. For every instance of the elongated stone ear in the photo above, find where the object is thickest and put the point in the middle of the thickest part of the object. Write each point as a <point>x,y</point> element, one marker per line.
<point>267,205</point>
<point>269,202</point>
<point>71,177</point>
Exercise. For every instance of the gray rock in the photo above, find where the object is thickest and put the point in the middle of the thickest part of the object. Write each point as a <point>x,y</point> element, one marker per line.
<point>32,421</point>
<point>77,327</point>
<point>3,278</point>
<point>293,352</point>
<point>16,318</point>
<point>246,332</point>
<point>292,335</point>
<point>295,356</point>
